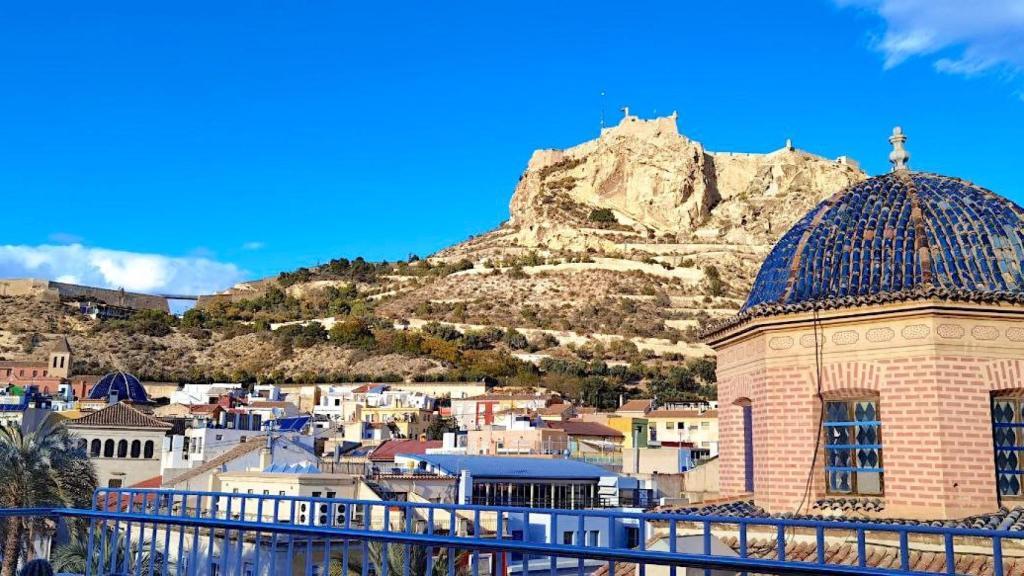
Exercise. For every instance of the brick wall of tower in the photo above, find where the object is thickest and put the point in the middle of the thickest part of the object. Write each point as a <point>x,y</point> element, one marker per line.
<point>933,384</point>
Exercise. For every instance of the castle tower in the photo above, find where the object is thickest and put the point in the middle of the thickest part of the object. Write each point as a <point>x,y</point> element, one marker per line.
<point>59,365</point>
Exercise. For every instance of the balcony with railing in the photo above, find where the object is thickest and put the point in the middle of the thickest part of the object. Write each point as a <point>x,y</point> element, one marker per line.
<point>197,533</point>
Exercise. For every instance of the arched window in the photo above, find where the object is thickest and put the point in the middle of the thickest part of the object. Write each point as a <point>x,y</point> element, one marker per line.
<point>94,450</point>
<point>136,448</point>
<point>108,448</point>
<point>122,448</point>
<point>147,452</point>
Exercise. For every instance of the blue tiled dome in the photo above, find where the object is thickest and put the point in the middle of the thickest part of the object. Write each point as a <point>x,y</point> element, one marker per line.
<point>125,385</point>
<point>903,233</point>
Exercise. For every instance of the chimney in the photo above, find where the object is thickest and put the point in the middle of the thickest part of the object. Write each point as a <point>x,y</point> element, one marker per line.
<point>267,453</point>
<point>112,398</point>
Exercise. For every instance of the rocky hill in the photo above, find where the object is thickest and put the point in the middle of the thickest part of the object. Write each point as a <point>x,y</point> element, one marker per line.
<point>640,234</point>
<point>642,190</point>
<point>616,249</point>
<point>643,215</point>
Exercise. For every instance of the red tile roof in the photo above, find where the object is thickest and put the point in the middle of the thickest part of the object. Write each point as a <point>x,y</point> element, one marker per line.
<point>842,553</point>
<point>386,452</point>
<point>555,409</point>
<point>120,415</point>
<point>581,428</point>
<point>641,405</point>
<point>119,501</point>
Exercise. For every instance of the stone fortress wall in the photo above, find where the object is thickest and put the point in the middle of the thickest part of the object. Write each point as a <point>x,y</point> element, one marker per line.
<point>53,291</point>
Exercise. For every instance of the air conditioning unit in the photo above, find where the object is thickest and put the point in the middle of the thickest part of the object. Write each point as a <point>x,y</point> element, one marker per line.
<point>324,512</point>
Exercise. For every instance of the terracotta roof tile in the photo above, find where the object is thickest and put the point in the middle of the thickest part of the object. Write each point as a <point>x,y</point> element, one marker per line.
<point>119,501</point>
<point>878,556</point>
<point>555,409</point>
<point>639,405</point>
<point>581,428</point>
<point>387,450</point>
<point>924,295</point>
<point>120,415</point>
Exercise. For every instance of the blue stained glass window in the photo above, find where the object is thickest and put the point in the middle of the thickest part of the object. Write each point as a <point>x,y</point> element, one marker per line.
<point>1008,440</point>
<point>853,447</point>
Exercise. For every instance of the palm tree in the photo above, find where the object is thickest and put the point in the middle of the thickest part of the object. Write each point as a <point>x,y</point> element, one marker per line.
<point>40,468</point>
<point>110,552</point>
<point>392,562</point>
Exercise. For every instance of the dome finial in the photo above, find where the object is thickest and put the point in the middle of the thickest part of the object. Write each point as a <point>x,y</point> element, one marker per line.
<point>899,157</point>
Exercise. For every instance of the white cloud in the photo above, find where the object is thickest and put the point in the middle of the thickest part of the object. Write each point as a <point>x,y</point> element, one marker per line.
<point>132,271</point>
<point>254,245</point>
<point>962,37</point>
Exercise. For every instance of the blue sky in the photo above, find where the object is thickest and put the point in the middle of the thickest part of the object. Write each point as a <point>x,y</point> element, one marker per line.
<point>184,146</point>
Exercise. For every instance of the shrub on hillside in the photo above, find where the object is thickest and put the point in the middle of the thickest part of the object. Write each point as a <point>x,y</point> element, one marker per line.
<point>715,285</point>
<point>300,336</point>
<point>602,216</point>
<point>515,339</point>
<point>354,332</point>
<point>146,322</point>
<point>442,331</point>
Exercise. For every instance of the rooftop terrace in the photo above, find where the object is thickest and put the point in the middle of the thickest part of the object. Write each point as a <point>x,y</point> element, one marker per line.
<point>151,531</point>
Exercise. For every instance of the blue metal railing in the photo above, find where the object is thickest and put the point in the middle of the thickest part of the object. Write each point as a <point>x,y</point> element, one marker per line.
<point>178,533</point>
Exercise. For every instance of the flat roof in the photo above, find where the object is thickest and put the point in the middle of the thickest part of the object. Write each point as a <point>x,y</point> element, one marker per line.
<point>513,467</point>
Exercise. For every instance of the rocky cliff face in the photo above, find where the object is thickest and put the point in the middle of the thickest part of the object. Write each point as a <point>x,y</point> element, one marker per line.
<point>644,170</point>
<point>662,185</point>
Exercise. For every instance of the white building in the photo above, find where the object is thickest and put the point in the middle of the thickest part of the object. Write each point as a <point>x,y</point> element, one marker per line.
<point>123,443</point>
<point>204,393</point>
<point>344,404</point>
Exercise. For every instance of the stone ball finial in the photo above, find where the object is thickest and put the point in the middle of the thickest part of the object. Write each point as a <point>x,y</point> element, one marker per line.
<point>899,157</point>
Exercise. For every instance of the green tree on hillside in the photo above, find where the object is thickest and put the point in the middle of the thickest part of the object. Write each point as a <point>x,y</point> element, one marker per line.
<point>352,332</point>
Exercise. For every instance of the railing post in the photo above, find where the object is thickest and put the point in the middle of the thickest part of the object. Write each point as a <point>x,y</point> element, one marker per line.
<point>673,546</point>
<point>904,550</point>
<point>997,556</point>
<point>819,543</point>
<point>862,554</point>
<point>950,556</point>
<point>780,542</point>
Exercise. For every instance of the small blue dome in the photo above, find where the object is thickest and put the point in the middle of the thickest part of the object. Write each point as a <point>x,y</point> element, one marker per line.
<point>126,386</point>
<point>903,233</point>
